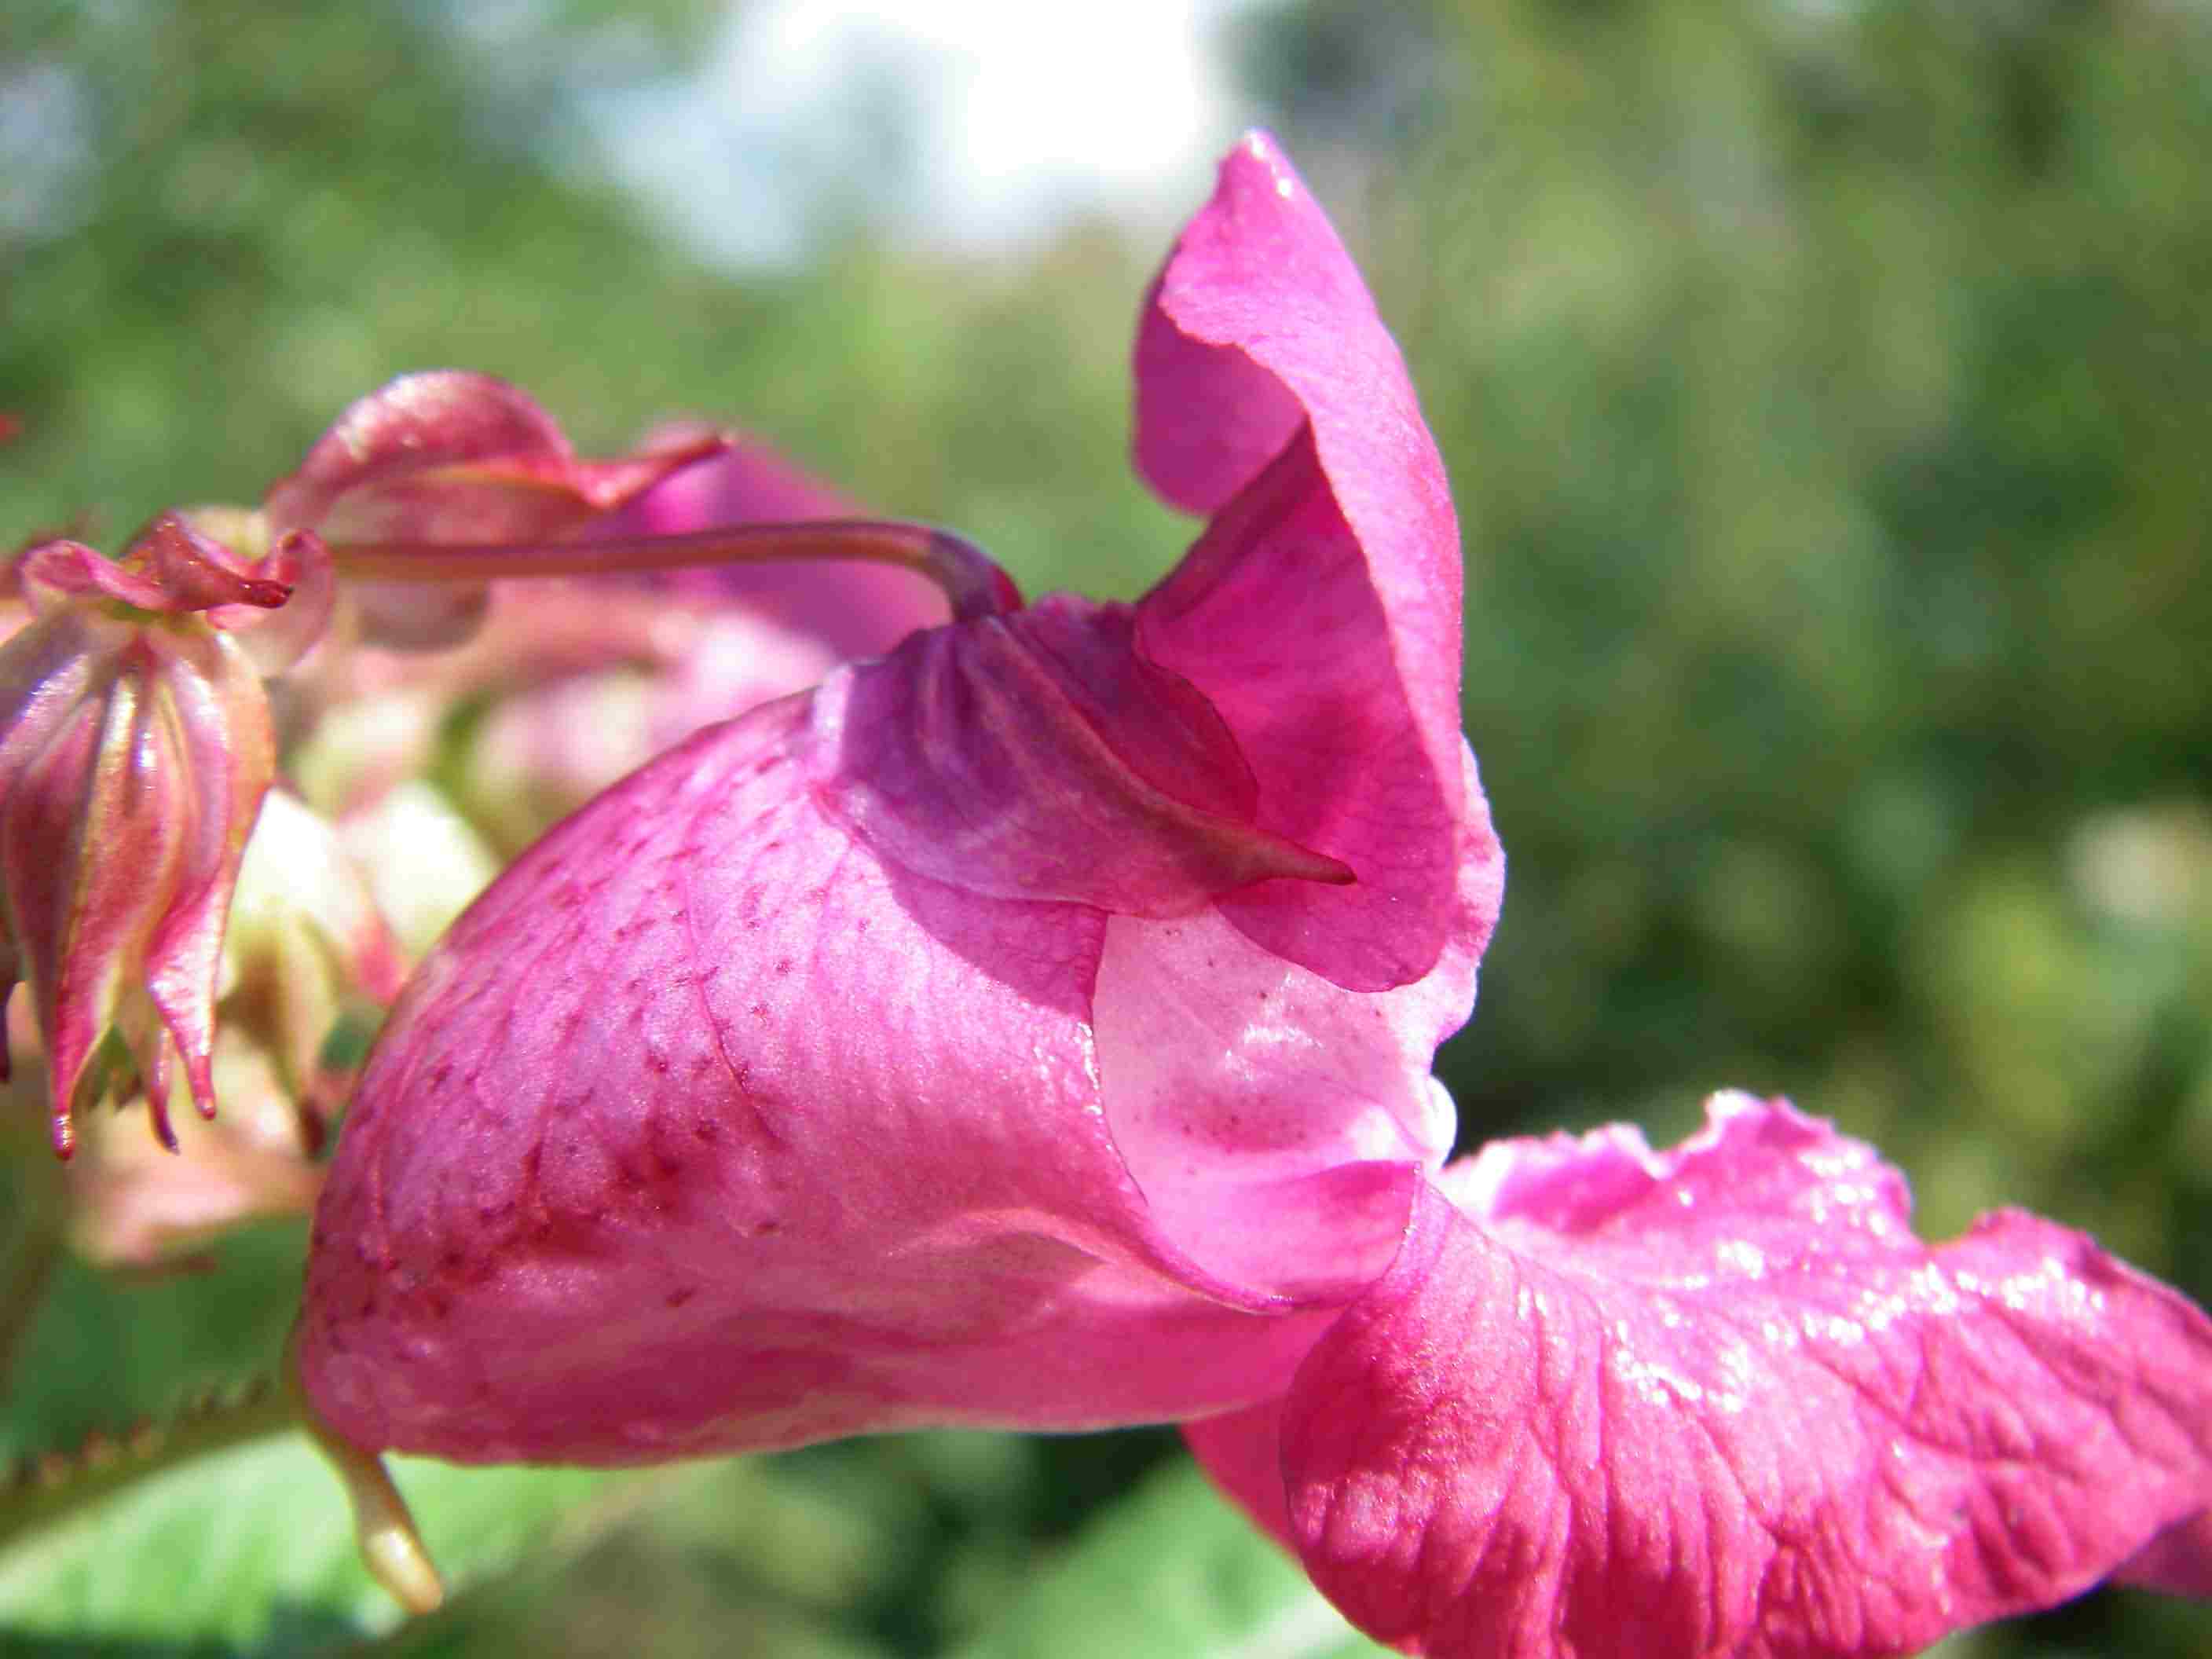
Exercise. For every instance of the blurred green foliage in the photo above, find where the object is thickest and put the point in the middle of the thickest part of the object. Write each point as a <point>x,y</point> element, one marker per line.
<point>1823,386</point>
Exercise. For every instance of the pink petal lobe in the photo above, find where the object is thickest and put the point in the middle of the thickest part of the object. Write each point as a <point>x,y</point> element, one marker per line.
<point>1324,602</point>
<point>170,570</point>
<point>2179,1561</point>
<point>1241,1453</point>
<point>1276,1123</point>
<point>1612,1403</point>
<point>1038,756</point>
<point>703,1129</point>
<point>200,573</point>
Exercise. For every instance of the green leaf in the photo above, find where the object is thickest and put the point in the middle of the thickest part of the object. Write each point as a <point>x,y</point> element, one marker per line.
<point>1173,1571</point>
<point>251,1552</point>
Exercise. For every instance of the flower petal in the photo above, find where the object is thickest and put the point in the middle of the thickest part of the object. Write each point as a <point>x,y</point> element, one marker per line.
<point>1320,611</point>
<point>170,570</point>
<point>1039,756</point>
<point>703,1129</point>
<point>1721,1401</point>
<point>1268,1116</point>
<point>448,456</point>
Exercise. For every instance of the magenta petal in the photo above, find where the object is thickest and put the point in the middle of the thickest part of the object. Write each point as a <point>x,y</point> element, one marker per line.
<point>954,1044</point>
<point>1241,1452</point>
<point>1277,1123</point>
<point>1720,1400</point>
<point>171,569</point>
<point>747,480</point>
<point>2177,1561</point>
<point>1039,756</point>
<point>703,1130</point>
<point>1320,613</point>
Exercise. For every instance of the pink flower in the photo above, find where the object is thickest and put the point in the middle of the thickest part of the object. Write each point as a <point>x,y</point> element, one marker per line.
<point>1033,1028</point>
<point>135,747</point>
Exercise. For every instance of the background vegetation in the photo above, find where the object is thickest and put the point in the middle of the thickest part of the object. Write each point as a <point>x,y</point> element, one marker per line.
<point>1823,391</point>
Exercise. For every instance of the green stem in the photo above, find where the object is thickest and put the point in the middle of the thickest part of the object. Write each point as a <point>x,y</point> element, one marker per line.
<point>976,586</point>
<point>49,1488</point>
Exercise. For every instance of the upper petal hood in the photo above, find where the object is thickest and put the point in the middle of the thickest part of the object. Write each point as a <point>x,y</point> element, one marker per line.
<point>1614,1404</point>
<point>1320,613</point>
<point>1041,755</point>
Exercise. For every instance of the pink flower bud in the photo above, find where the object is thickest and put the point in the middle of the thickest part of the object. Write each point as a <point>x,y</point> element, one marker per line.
<point>135,746</point>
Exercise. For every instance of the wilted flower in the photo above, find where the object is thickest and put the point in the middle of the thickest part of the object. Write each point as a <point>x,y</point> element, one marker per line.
<point>1033,1028</point>
<point>135,747</point>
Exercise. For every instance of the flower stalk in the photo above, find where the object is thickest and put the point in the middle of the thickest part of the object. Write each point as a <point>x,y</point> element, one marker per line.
<point>976,586</point>
<point>44,1491</point>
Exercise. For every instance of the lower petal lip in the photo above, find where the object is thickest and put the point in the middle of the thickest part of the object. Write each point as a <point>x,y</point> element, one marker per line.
<point>1829,1434</point>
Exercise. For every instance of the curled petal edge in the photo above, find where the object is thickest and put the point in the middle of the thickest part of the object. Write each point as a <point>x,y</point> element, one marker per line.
<point>1612,1404</point>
